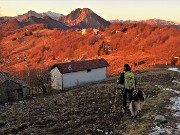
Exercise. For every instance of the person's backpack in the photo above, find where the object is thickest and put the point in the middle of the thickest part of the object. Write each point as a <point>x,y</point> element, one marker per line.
<point>129,80</point>
<point>121,78</point>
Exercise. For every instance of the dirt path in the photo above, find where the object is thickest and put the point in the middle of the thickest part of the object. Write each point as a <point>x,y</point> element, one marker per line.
<point>89,109</point>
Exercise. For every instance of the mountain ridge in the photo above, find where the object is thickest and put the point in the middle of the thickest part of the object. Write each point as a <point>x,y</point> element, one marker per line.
<point>154,22</point>
<point>81,18</point>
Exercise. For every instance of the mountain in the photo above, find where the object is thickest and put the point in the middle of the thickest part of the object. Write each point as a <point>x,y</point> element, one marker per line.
<point>13,24</point>
<point>153,22</point>
<point>80,18</point>
<point>9,26</point>
<point>122,21</point>
<point>51,23</point>
<point>4,19</point>
<point>53,15</point>
<point>157,22</point>
<point>28,14</point>
<point>84,18</point>
<point>38,15</point>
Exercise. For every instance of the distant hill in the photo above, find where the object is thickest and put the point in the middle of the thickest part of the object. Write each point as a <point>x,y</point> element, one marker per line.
<point>116,21</point>
<point>141,45</point>
<point>28,14</point>
<point>4,19</point>
<point>154,22</point>
<point>51,23</point>
<point>157,22</point>
<point>14,24</point>
<point>84,18</point>
<point>9,26</point>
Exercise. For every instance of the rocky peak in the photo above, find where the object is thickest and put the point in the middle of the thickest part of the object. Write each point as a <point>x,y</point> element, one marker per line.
<point>83,18</point>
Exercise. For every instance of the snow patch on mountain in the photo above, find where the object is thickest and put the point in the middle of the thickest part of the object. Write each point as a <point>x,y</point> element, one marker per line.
<point>53,15</point>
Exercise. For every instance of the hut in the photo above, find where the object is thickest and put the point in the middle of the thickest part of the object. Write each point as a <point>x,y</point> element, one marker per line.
<point>12,88</point>
<point>72,74</point>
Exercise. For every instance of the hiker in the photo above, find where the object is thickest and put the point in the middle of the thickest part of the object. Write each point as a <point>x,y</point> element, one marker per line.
<point>127,79</point>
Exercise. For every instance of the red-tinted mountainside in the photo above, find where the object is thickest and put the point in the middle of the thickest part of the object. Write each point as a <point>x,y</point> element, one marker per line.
<point>51,23</point>
<point>10,26</point>
<point>140,45</point>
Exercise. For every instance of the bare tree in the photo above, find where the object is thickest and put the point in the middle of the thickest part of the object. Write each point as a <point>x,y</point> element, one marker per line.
<point>40,80</point>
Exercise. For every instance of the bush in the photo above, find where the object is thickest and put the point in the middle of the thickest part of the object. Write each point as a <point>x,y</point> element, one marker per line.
<point>40,79</point>
<point>124,29</point>
<point>29,33</point>
<point>13,39</point>
<point>174,61</point>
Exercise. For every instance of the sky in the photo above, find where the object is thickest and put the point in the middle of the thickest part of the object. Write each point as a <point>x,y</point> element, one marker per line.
<point>108,9</point>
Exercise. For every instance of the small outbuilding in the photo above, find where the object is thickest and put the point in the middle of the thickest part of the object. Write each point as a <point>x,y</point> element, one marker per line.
<point>71,74</point>
<point>12,88</point>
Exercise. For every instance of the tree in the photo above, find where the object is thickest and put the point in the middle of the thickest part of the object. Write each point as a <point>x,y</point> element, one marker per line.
<point>124,29</point>
<point>174,61</point>
<point>40,80</point>
<point>101,49</point>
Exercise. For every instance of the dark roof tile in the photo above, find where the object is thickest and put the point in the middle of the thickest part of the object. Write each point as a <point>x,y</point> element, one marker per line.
<point>81,65</point>
<point>7,77</point>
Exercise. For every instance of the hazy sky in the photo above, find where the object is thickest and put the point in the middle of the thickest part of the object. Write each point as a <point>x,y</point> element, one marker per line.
<point>107,9</point>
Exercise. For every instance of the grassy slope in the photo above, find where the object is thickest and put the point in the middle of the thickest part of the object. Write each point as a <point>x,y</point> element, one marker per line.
<point>142,46</point>
<point>88,107</point>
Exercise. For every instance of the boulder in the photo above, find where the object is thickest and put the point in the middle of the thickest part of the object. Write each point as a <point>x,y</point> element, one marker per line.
<point>160,119</point>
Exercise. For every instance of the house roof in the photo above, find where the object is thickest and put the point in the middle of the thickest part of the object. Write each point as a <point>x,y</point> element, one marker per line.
<point>7,77</point>
<point>76,66</point>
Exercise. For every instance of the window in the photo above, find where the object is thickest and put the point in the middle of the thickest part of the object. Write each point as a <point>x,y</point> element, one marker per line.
<point>88,70</point>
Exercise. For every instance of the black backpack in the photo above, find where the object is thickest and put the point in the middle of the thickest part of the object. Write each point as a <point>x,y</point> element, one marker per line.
<point>121,78</point>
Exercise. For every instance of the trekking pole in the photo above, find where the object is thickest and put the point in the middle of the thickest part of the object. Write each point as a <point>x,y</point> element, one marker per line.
<point>115,98</point>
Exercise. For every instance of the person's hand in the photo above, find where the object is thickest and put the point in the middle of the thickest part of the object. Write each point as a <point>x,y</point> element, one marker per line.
<point>117,81</point>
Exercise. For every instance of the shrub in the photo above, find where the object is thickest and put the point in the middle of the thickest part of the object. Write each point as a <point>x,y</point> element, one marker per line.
<point>124,29</point>
<point>13,39</point>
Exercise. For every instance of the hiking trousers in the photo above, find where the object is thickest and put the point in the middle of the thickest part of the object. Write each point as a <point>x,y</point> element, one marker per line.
<point>127,92</point>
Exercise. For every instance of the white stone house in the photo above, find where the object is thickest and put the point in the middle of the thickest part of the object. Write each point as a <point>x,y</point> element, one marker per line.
<point>72,74</point>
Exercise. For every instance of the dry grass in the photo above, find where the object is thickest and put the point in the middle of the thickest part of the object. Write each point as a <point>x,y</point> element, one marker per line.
<point>46,47</point>
<point>88,108</point>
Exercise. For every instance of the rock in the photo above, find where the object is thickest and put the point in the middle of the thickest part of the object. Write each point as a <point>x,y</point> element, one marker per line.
<point>23,126</point>
<point>2,123</point>
<point>6,130</point>
<point>14,130</point>
<point>89,132</point>
<point>160,119</point>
